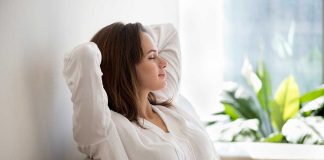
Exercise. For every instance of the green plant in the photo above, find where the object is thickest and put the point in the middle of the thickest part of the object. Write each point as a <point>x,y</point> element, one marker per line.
<point>276,115</point>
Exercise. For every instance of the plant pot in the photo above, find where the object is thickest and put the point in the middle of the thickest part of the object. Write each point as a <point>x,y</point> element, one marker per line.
<point>267,151</point>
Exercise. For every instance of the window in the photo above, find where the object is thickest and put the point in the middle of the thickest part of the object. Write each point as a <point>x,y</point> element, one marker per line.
<point>287,35</point>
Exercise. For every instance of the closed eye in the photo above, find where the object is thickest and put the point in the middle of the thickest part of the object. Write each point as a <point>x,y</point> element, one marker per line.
<point>154,57</point>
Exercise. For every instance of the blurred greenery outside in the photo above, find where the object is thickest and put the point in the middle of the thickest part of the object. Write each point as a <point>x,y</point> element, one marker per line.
<point>287,35</point>
<point>274,71</point>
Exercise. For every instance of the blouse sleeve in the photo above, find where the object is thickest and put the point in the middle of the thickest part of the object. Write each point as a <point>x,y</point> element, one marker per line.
<point>93,129</point>
<point>167,40</point>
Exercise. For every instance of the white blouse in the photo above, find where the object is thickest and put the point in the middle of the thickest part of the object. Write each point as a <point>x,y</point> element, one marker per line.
<point>104,134</point>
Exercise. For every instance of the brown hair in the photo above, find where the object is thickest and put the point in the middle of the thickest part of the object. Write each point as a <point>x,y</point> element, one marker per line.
<point>121,50</point>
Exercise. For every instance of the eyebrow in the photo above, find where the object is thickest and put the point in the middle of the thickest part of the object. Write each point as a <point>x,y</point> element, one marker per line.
<point>152,50</point>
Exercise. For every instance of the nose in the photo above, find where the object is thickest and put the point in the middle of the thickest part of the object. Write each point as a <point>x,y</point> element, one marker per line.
<point>163,62</point>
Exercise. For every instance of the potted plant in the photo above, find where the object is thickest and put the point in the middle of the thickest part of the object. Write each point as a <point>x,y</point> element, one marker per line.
<point>255,115</point>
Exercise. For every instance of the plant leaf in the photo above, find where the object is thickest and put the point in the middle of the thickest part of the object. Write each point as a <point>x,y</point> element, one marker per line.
<point>274,138</point>
<point>250,76</point>
<point>219,113</point>
<point>245,105</point>
<point>309,130</point>
<point>276,113</point>
<point>286,102</point>
<point>231,111</point>
<point>313,108</point>
<point>239,130</point>
<point>312,95</point>
<point>264,94</point>
<point>208,123</point>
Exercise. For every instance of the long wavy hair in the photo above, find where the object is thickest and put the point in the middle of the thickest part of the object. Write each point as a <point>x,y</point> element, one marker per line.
<point>121,50</point>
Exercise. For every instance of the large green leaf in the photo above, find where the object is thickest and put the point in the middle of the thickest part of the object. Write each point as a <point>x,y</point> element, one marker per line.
<point>242,104</point>
<point>264,94</point>
<point>286,102</point>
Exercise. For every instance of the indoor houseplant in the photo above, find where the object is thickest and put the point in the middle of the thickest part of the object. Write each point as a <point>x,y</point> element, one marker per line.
<point>255,115</point>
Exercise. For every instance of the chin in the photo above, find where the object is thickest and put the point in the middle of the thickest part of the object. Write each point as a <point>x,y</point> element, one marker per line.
<point>164,85</point>
<point>161,86</point>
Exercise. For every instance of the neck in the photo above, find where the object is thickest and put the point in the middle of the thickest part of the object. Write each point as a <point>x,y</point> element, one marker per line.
<point>146,110</point>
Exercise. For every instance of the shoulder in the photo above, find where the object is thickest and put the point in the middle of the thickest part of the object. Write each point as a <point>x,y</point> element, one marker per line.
<point>121,122</point>
<point>118,118</point>
<point>183,109</point>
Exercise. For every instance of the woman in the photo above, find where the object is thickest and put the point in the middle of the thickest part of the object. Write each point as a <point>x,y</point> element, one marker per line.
<point>140,69</point>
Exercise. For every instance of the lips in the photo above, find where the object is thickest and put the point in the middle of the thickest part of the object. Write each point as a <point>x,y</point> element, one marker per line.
<point>162,75</point>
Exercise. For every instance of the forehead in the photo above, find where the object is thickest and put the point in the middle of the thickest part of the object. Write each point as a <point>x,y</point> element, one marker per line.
<point>147,42</point>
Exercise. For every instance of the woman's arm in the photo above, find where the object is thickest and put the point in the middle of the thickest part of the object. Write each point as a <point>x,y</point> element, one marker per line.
<point>167,40</point>
<point>93,129</point>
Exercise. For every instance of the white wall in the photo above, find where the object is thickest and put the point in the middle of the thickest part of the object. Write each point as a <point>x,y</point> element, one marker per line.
<point>35,107</point>
<point>202,47</point>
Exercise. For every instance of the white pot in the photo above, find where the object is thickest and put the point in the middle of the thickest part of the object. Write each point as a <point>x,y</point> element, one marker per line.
<point>267,151</point>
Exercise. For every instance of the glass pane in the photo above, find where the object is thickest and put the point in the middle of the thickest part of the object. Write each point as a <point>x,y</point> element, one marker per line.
<point>286,34</point>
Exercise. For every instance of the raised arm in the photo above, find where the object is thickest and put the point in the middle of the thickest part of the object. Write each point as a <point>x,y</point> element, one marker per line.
<point>93,129</point>
<point>166,37</point>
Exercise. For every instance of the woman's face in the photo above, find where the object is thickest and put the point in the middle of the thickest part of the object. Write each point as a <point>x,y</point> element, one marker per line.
<point>150,71</point>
